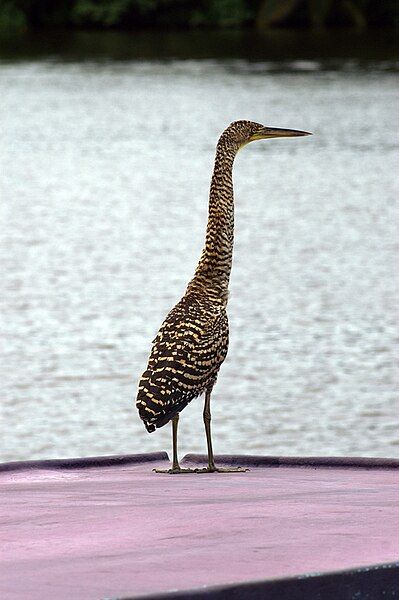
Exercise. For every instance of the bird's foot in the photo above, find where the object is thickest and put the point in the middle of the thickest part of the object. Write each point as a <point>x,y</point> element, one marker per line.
<point>175,471</point>
<point>222,470</point>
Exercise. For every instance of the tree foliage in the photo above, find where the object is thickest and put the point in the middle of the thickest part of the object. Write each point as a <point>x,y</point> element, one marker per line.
<point>21,14</point>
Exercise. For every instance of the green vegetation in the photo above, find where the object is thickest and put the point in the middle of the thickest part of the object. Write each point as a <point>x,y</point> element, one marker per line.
<point>25,14</point>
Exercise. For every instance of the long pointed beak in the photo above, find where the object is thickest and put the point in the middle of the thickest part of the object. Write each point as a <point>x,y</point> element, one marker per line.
<point>273,132</point>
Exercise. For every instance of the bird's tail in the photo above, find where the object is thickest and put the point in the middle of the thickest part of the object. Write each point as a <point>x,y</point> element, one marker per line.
<point>154,409</point>
<point>153,422</point>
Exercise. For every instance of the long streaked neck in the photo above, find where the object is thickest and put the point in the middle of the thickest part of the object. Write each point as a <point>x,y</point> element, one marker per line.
<point>213,271</point>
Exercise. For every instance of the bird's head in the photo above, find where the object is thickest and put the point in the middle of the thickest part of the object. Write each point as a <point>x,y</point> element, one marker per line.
<point>241,133</point>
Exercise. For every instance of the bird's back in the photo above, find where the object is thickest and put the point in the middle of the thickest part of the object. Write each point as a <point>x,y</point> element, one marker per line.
<point>185,358</point>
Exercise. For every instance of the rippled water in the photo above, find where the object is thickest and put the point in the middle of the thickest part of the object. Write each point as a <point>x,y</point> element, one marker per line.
<point>106,168</point>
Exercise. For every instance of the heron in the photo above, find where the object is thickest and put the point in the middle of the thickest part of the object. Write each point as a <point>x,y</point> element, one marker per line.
<point>192,342</point>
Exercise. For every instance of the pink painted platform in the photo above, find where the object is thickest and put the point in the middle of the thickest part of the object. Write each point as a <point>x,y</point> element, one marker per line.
<point>111,528</point>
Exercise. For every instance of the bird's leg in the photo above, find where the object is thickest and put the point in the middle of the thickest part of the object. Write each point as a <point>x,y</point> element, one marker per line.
<point>207,423</point>
<point>211,461</point>
<point>175,422</point>
<point>175,464</point>
<point>211,468</point>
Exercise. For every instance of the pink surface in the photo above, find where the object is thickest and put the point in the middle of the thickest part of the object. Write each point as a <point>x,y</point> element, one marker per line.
<point>108,532</point>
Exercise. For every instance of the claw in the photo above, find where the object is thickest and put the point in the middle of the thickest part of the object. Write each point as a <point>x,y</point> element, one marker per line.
<point>178,471</point>
<point>222,470</point>
<point>175,471</point>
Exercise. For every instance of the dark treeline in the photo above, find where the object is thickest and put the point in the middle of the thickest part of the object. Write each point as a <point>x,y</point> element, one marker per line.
<point>262,14</point>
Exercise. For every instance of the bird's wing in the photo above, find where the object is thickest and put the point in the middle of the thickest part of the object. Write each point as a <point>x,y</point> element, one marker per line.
<point>185,359</point>
<point>189,347</point>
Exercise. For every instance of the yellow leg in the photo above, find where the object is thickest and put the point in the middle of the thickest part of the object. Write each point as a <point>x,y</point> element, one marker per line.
<point>175,423</point>
<point>176,469</point>
<point>211,468</point>
<point>207,422</point>
<point>211,461</point>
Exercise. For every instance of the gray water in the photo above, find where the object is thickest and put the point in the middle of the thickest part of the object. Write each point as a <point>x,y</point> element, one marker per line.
<point>105,168</point>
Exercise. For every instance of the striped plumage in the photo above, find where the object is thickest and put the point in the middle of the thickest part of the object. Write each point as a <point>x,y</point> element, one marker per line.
<point>192,342</point>
<point>185,359</point>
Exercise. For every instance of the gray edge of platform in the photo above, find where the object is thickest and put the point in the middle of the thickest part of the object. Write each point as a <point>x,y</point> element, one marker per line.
<point>297,461</point>
<point>234,459</point>
<point>83,463</point>
<point>362,583</point>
